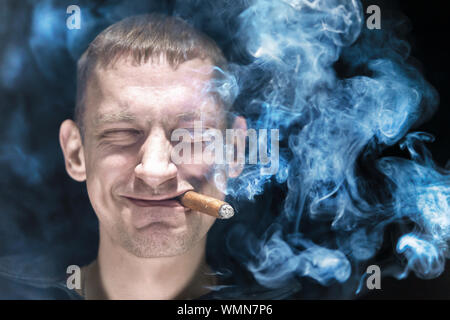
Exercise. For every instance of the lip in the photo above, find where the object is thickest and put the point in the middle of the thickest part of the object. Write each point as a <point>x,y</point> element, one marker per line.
<point>170,200</point>
<point>155,203</point>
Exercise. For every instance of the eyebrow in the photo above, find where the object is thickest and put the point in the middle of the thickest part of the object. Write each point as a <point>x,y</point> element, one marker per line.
<point>124,116</point>
<point>194,115</point>
<point>188,115</point>
<point>114,118</point>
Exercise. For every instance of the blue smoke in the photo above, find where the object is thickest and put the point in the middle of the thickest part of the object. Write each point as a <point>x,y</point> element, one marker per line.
<point>328,124</point>
<point>339,193</point>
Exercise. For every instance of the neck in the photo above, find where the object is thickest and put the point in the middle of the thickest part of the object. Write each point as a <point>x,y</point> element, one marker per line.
<point>117,274</point>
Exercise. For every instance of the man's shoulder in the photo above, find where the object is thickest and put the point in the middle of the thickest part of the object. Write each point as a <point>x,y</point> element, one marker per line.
<point>32,289</point>
<point>22,278</point>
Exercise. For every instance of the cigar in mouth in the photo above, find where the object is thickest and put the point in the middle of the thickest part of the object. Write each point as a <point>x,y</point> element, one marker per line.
<point>208,205</point>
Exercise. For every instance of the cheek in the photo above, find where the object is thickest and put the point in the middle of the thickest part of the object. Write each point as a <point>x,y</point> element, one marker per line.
<point>103,174</point>
<point>105,170</point>
<point>199,175</point>
<point>204,178</point>
<point>198,171</point>
<point>108,162</point>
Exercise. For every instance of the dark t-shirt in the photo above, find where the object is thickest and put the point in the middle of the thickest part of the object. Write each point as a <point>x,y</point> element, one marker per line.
<point>16,289</point>
<point>54,288</point>
<point>13,287</point>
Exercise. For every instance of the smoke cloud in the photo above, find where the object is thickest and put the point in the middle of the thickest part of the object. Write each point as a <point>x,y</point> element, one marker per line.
<point>337,191</point>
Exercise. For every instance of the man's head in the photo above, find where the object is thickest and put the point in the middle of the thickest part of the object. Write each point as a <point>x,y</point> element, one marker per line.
<point>139,81</point>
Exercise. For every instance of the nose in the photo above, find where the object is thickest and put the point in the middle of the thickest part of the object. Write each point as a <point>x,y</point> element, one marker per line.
<point>156,167</point>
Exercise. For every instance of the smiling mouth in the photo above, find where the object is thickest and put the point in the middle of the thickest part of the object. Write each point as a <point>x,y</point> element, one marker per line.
<point>172,202</point>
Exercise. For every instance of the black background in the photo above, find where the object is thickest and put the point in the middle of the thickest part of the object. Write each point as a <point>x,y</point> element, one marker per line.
<point>428,36</point>
<point>429,39</point>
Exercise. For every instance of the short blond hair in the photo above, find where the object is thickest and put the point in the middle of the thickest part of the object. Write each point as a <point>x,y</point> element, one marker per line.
<point>143,38</point>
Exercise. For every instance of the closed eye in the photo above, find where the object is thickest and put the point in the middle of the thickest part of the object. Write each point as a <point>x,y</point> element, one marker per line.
<point>122,131</point>
<point>121,136</point>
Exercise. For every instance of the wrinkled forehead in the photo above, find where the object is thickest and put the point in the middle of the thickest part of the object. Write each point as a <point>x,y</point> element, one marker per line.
<point>152,90</point>
<point>160,74</point>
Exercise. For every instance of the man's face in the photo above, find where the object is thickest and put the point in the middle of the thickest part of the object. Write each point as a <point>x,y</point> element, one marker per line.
<point>131,111</point>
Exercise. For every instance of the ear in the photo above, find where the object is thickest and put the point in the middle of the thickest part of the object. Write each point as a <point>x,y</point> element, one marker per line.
<point>235,168</point>
<point>72,148</point>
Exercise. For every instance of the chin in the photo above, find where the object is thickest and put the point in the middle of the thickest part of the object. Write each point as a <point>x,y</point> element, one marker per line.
<point>159,243</point>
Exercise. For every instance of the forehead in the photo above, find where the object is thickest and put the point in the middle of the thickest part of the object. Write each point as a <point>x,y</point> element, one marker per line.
<point>126,71</point>
<point>155,91</point>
